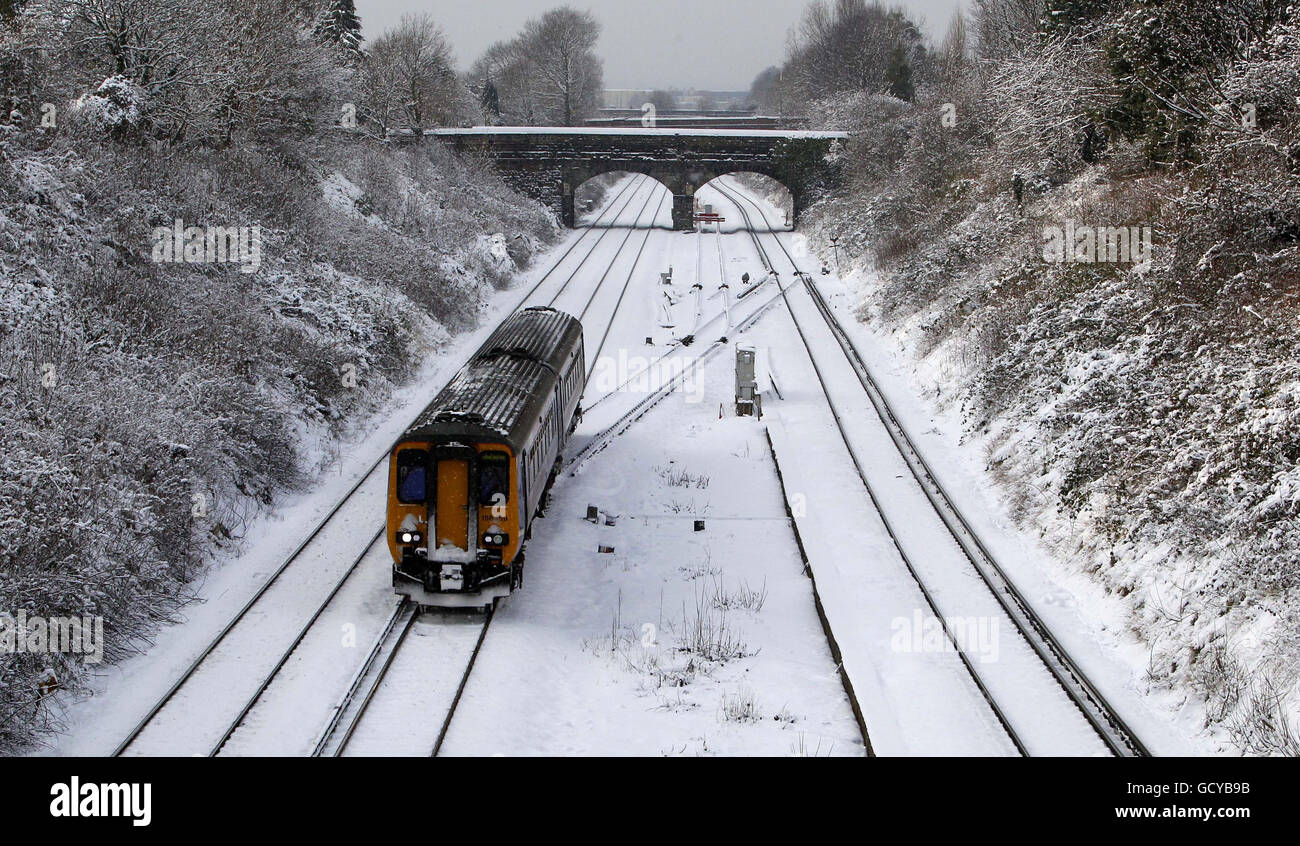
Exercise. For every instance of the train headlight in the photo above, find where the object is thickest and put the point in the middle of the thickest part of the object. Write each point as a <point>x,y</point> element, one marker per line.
<point>409,537</point>
<point>495,539</point>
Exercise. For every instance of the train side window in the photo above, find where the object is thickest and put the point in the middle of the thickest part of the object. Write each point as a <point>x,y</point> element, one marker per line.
<point>493,478</point>
<point>412,472</point>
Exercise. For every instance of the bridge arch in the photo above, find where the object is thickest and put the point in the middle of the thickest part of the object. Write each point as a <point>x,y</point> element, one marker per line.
<point>683,179</point>
<point>580,184</point>
<point>776,192</point>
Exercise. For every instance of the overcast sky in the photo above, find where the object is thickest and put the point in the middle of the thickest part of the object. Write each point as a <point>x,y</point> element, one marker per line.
<point>712,44</point>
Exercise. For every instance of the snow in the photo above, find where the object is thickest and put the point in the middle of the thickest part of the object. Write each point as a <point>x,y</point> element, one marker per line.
<point>662,132</point>
<point>678,642</point>
<point>343,194</point>
<point>117,103</point>
<point>603,649</point>
<point>1087,622</point>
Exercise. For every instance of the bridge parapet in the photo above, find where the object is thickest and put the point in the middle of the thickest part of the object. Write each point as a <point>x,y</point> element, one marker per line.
<point>549,163</point>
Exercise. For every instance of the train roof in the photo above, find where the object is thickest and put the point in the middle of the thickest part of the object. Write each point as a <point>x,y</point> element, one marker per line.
<point>501,390</point>
<point>536,333</point>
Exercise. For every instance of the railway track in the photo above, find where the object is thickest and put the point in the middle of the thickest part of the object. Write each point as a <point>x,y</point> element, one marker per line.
<point>357,498</point>
<point>460,688</point>
<point>347,714</point>
<point>1108,725</point>
<point>374,716</point>
<point>605,436</point>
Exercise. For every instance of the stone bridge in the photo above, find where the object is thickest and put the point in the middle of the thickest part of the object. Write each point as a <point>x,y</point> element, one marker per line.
<point>549,163</point>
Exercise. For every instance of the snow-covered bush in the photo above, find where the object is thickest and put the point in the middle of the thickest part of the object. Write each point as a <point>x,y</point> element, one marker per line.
<point>151,409</point>
<point>116,106</point>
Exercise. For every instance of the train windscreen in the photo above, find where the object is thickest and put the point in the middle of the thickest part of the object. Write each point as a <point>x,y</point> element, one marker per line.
<point>493,478</point>
<point>412,473</point>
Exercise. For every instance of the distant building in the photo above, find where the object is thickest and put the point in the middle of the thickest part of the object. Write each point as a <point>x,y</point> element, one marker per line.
<point>689,99</point>
<point>625,98</point>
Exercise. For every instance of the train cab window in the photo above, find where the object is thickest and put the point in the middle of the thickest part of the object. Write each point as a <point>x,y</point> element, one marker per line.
<point>412,473</point>
<point>493,478</point>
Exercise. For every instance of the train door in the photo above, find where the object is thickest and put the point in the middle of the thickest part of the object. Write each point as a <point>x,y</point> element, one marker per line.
<point>452,504</point>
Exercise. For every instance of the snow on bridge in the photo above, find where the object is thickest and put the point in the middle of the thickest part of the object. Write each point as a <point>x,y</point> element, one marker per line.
<point>649,132</point>
<point>549,163</point>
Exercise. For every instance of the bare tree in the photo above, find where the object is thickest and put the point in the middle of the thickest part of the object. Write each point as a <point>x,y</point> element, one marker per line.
<point>548,75</point>
<point>148,42</point>
<point>504,69</point>
<point>954,52</point>
<point>409,79</point>
<point>567,74</point>
<point>852,46</point>
<point>1004,28</point>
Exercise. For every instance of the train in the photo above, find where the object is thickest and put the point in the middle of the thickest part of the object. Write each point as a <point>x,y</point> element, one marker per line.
<point>468,478</point>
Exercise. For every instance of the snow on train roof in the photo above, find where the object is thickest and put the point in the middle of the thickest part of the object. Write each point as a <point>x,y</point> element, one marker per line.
<point>489,394</point>
<point>535,333</point>
<point>636,130</point>
<point>494,388</point>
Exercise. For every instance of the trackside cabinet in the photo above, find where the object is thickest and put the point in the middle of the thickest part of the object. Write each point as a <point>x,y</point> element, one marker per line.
<point>749,402</point>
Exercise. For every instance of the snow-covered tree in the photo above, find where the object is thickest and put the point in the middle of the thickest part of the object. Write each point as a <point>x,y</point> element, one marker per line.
<point>568,76</point>
<point>490,100</point>
<point>1005,27</point>
<point>765,91</point>
<point>549,75</point>
<point>409,79</point>
<point>341,25</point>
<point>851,46</point>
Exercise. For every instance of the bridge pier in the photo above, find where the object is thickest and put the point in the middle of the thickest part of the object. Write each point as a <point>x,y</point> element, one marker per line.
<point>683,212</point>
<point>568,212</point>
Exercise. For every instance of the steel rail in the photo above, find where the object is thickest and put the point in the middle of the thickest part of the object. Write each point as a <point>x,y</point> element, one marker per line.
<point>402,621</point>
<point>1114,732</point>
<point>216,641</point>
<point>985,693</point>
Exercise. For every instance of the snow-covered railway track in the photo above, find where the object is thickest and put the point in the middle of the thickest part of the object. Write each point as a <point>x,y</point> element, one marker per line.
<point>376,541</point>
<point>1087,700</point>
<point>652,398</point>
<point>273,614</point>
<point>631,189</point>
<point>403,702</point>
<point>460,687</point>
<point>222,672</point>
<point>347,714</point>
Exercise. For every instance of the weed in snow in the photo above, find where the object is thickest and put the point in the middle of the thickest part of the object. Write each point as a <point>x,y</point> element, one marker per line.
<point>740,707</point>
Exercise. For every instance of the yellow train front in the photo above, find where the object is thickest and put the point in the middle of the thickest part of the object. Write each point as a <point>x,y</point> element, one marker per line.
<point>468,477</point>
